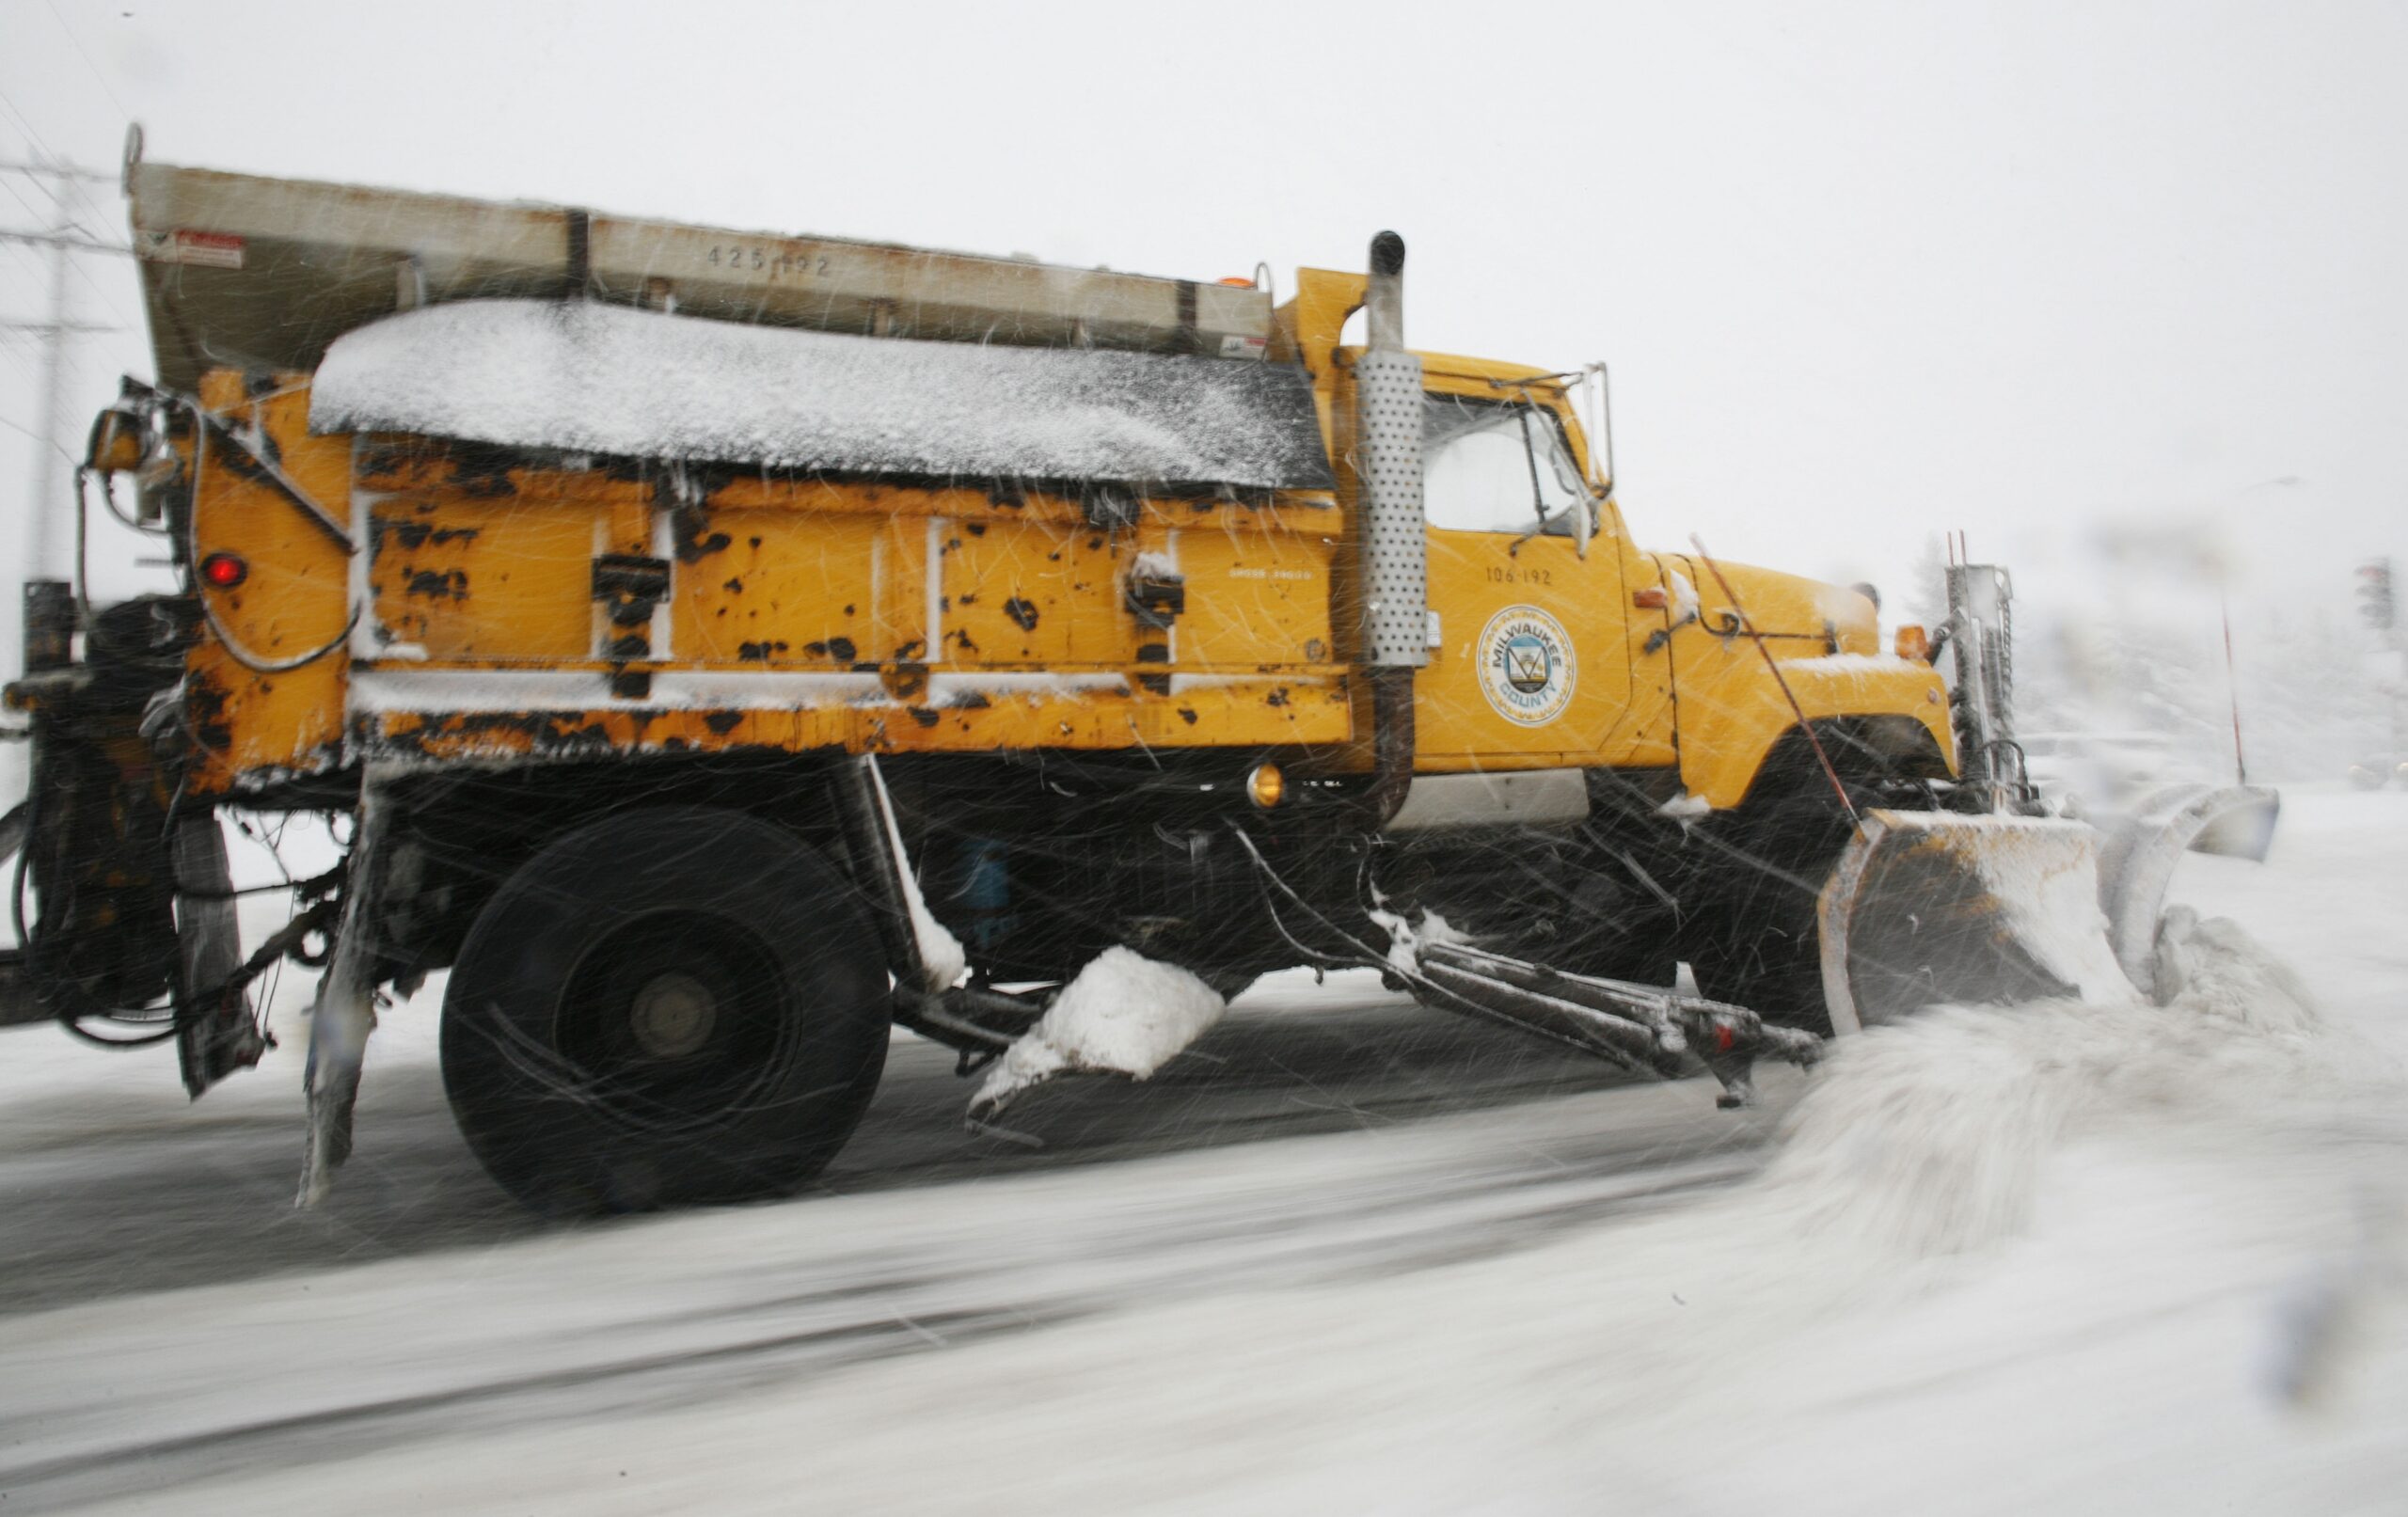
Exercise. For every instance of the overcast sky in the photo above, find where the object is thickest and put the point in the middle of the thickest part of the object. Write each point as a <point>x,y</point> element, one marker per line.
<point>2038,271</point>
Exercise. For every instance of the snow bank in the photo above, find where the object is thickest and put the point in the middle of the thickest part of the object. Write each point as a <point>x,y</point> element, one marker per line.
<point>1806,1341</point>
<point>1124,1014</point>
<point>2008,1261</point>
<point>607,379</point>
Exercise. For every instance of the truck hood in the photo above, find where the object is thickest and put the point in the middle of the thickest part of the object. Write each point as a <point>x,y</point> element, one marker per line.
<point>1775,604</point>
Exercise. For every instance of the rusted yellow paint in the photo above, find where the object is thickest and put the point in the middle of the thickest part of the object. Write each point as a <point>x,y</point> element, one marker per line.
<point>295,601</point>
<point>460,578</point>
<point>791,590</point>
<point>987,620</point>
<point>940,713</point>
<point>1258,585</point>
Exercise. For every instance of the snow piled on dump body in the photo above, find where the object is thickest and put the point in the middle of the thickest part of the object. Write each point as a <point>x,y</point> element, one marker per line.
<point>608,379</point>
<point>1123,1014</point>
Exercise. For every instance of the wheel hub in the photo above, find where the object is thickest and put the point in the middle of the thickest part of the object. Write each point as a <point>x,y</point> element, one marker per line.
<point>671,1015</point>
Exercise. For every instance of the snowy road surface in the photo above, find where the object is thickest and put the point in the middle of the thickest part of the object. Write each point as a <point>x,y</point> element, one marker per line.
<point>1346,1256</point>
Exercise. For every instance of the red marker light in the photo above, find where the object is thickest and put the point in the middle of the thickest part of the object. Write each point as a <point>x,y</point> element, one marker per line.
<point>224,571</point>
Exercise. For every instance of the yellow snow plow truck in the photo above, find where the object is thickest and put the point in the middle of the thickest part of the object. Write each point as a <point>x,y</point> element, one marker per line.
<point>716,648</point>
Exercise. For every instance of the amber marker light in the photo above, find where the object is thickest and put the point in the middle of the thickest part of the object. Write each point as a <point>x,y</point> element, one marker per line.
<point>1913,643</point>
<point>1265,786</point>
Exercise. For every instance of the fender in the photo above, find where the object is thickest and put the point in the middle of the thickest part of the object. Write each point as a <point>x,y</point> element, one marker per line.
<point>1729,721</point>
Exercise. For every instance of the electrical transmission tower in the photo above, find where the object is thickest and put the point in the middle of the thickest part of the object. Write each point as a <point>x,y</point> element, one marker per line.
<point>44,546</point>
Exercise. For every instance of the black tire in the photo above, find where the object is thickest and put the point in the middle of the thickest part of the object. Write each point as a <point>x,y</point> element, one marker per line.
<point>1615,930</point>
<point>1755,938</point>
<point>678,1005</point>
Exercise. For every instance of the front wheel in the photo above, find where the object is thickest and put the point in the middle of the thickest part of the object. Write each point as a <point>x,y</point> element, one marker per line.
<point>1755,940</point>
<point>676,1005</point>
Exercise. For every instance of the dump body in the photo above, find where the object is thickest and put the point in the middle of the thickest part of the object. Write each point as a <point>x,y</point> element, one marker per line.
<point>547,610</point>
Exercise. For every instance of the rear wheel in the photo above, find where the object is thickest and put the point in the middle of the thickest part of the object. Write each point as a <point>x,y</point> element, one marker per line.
<point>676,1005</point>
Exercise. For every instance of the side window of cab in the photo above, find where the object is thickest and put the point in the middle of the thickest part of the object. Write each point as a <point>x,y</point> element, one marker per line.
<point>1498,467</point>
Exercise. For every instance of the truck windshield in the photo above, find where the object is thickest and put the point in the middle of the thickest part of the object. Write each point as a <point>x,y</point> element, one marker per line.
<point>1496,466</point>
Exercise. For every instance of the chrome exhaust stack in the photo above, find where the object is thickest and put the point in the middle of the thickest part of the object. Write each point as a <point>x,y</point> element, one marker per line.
<point>1387,397</point>
<point>1387,468</point>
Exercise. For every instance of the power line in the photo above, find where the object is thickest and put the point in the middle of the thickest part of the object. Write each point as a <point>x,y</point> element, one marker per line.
<point>61,170</point>
<point>26,123</point>
<point>16,194</point>
<point>60,241</point>
<point>52,239</point>
<point>65,181</point>
<point>89,65</point>
<point>39,438</point>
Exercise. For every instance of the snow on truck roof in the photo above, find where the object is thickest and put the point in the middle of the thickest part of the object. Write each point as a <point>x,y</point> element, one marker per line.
<point>590,377</point>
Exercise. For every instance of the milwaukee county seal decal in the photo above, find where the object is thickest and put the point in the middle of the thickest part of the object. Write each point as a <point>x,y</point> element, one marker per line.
<point>1526,665</point>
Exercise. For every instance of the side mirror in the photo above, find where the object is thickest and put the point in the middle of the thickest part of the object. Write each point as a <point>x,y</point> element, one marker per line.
<point>118,441</point>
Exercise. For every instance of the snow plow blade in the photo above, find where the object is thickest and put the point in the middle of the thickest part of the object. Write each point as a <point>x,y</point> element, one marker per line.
<point>1931,908</point>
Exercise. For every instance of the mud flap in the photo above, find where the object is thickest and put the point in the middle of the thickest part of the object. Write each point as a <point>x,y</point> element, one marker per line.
<point>215,1039</point>
<point>18,1002</point>
<point>1928,908</point>
<point>346,1009</point>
